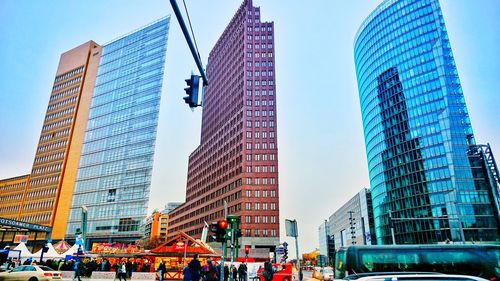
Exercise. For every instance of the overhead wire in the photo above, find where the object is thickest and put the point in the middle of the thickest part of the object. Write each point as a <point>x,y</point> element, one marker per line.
<point>191,27</point>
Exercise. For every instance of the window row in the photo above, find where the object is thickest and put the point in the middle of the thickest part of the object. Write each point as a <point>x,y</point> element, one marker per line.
<point>258,145</point>
<point>259,83</point>
<point>66,84</point>
<point>259,157</point>
<point>64,93</point>
<point>10,209</point>
<point>52,135</point>
<point>259,64</point>
<point>47,169</point>
<point>59,113</point>
<point>260,219</point>
<point>259,92</point>
<point>259,102</point>
<point>260,46</point>
<point>260,181</point>
<point>264,135</point>
<point>57,124</point>
<point>69,74</point>
<point>260,206</point>
<point>259,55</point>
<point>257,28</point>
<point>258,232</point>
<point>257,193</point>
<point>62,103</point>
<point>50,157</point>
<point>44,181</point>
<point>258,113</point>
<point>260,73</point>
<point>257,124</point>
<point>6,198</point>
<point>15,186</point>
<point>41,193</point>
<point>259,37</point>
<point>38,219</point>
<point>52,146</point>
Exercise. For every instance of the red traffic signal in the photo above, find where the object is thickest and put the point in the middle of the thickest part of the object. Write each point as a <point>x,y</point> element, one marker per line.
<point>247,249</point>
<point>222,224</point>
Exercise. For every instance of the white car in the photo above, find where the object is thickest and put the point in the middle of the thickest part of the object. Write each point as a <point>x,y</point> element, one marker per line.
<point>420,277</point>
<point>31,273</point>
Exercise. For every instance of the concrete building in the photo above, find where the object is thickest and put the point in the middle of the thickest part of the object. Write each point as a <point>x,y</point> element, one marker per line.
<point>84,144</point>
<point>353,222</point>
<point>44,196</point>
<point>423,162</point>
<point>237,159</point>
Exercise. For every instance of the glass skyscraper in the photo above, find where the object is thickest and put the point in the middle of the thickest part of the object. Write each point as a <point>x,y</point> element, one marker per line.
<point>114,173</point>
<point>417,130</point>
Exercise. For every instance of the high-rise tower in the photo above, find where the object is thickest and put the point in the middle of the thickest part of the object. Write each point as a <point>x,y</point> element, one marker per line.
<point>44,196</point>
<point>114,174</point>
<point>237,159</point>
<point>417,130</point>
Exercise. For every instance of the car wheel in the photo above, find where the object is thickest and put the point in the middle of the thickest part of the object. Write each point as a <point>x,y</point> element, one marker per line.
<point>33,279</point>
<point>286,279</point>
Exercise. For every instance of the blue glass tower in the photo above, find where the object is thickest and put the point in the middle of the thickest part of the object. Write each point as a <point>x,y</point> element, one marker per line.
<point>417,130</point>
<point>114,173</point>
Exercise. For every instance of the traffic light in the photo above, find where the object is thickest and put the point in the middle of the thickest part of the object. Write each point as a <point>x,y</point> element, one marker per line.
<point>247,249</point>
<point>285,251</point>
<point>218,230</point>
<point>192,91</point>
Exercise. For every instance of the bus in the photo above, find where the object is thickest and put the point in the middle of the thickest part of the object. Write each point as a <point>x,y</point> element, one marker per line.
<point>475,260</point>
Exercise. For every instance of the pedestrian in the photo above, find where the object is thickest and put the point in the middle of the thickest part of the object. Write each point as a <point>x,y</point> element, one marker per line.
<point>122,272</point>
<point>186,274</point>
<point>211,271</point>
<point>226,272</point>
<point>234,271</point>
<point>242,272</point>
<point>77,267</point>
<point>161,270</point>
<point>267,273</point>
<point>195,269</point>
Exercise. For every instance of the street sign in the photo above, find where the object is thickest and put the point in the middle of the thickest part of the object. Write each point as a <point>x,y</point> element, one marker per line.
<point>280,250</point>
<point>291,228</point>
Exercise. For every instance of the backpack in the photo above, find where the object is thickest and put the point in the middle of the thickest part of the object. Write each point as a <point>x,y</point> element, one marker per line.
<point>266,274</point>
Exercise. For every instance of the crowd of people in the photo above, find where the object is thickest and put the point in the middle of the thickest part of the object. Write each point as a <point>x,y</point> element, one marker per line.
<point>211,271</point>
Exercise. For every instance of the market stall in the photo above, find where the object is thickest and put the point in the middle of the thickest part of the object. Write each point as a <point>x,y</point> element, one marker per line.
<point>178,252</point>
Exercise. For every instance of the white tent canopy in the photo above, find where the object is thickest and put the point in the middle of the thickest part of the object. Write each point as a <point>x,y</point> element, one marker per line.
<point>24,250</point>
<point>51,253</point>
<point>70,251</point>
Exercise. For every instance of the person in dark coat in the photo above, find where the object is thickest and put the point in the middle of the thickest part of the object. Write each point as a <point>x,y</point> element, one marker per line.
<point>234,271</point>
<point>226,272</point>
<point>195,269</point>
<point>267,273</point>
<point>242,271</point>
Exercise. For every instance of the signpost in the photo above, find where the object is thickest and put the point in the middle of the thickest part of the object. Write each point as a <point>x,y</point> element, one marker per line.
<point>293,231</point>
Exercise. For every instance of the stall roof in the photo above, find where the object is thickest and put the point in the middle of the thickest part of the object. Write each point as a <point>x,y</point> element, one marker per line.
<point>177,246</point>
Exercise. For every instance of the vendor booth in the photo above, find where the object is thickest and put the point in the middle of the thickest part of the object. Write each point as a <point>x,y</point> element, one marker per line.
<point>178,252</point>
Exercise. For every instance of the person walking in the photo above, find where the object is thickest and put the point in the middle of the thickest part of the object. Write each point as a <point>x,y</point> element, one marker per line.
<point>122,272</point>
<point>234,272</point>
<point>77,267</point>
<point>242,272</point>
<point>195,269</point>
<point>226,272</point>
<point>267,273</point>
<point>161,270</point>
<point>211,272</point>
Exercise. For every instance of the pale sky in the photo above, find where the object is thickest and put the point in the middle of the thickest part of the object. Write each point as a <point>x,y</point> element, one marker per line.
<point>322,161</point>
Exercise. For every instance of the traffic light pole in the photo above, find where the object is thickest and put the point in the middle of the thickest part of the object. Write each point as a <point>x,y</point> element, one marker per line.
<point>222,260</point>
<point>195,54</point>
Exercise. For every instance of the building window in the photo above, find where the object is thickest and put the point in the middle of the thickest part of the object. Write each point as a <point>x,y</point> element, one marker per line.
<point>248,219</point>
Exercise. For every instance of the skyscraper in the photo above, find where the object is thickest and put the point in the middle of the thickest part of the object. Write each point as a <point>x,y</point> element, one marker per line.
<point>417,130</point>
<point>237,159</point>
<point>45,194</point>
<point>114,174</point>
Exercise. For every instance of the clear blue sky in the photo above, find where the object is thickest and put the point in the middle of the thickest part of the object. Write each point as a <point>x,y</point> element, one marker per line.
<point>320,139</point>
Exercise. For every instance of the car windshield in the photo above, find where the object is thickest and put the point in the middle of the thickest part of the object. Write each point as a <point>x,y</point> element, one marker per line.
<point>45,268</point>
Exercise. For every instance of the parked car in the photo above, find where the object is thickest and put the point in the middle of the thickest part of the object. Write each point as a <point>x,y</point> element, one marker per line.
<point>31,273</point>
<point>420,277</point>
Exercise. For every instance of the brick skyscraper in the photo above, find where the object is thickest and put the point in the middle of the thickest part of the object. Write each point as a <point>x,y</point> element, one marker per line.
<point>237,160</point>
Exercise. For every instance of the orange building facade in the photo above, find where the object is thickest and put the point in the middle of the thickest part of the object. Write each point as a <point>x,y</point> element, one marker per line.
<point>44,196</point>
